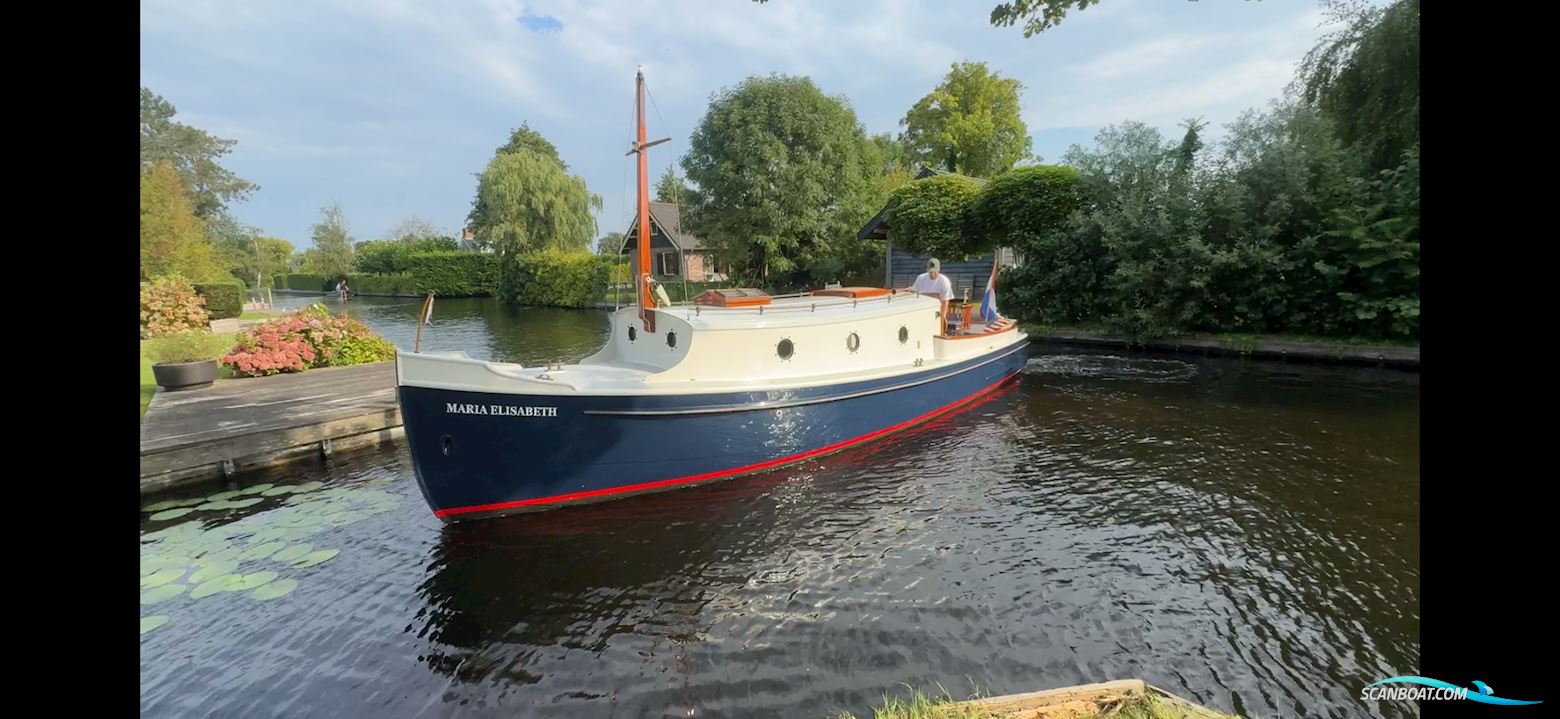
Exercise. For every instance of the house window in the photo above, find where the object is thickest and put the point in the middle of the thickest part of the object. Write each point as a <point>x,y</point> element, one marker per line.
<point>668,264</point>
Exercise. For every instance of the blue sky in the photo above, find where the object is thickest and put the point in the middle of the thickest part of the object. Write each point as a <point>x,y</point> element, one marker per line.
<point>391,107</point>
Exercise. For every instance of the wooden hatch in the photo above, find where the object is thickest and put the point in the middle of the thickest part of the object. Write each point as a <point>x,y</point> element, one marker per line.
<point>744,297</point>
<point>851,292</point>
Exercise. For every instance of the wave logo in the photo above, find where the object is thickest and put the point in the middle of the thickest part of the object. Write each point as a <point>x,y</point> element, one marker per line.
<point>1434,689</point>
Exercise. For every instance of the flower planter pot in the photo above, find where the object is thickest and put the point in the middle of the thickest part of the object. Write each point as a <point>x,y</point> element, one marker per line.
<point>185,375</point>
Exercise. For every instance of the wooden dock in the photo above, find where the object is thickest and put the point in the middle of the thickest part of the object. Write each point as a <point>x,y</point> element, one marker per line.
<point>194,436</point>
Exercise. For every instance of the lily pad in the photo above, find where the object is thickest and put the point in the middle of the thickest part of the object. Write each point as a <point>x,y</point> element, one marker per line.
<point>257,489</point>
<point>170,504</point>
<point>222,496</point>
<point>315,557</point>
<point>213,585</point>
<point>167,514</point>
<point>342,519</point>
<point>275,589</point>
<point>161,577</point>
<point>278,491</point>
<point>250,581</point>
<point>166,591</point>
<point>309,486</point>
<point>292,552</point>
<point>153,622</point>
<point>213,570</point>
<point>261,551</point>
<point>214,506</point>
<point>245,502</point>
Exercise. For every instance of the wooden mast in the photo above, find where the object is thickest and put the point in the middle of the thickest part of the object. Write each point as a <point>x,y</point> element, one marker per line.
<point>646,298</point>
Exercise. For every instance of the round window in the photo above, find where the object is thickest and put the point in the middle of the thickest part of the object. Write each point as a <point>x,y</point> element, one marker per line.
<point>785,349</point>
<point>853,342</point>
<point>671,340</point>
<point>904,335</point>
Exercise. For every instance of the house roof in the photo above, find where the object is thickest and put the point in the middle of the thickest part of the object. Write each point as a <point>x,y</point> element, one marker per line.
<point>877,227</point>
<point>668,220</point>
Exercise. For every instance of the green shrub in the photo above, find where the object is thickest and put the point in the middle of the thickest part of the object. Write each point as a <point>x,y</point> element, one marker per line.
<point>392,257</point>
<point>171,305</point>
<point>224,300</point>
<point>310,283</point>
<point>279,281</point>
<point>305,339</point>
<point>186,346</point>
<point>555,278</point>
<point>454,274</point>
<point>381,284</point>
<point>930,216</point>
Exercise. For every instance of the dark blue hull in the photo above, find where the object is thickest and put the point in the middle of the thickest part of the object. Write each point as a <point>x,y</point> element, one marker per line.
<point>480,454</point>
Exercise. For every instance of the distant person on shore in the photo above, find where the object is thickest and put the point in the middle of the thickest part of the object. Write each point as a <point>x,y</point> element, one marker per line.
<point>342,289</point>
<point>934,283</point>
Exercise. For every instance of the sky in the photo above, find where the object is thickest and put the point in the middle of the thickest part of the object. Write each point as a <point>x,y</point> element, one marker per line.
<point>391,107</point>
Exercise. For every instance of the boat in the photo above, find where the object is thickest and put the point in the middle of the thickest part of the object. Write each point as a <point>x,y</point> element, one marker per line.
<point>733,382</point>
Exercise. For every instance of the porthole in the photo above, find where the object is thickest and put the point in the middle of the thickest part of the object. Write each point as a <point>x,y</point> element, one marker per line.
<point>447,443</point>
<point>853,342</point>
<point>785,349</point>
<point>632,335</point>
<point>904,335</point>
<point>671,340</point>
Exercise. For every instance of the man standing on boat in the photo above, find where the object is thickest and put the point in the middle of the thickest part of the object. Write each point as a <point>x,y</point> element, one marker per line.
<point>934,283</point>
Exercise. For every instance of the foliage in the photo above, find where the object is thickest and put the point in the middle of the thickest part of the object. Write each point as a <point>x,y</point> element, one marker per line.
<point>309,282</point>
<point>555,278</point>
<point>1365,79</point>
<point>186,346</point>
<point>609,244</point>
<point>254,259</point>
<point>306,339</point>
<point>395,256</point>
<point>413,229</point>
<point>192,154</point>
<point>970,124</point>
<point>527,202</point>
<point>332,243</point>
<point>670,188</point>
<point>785,178</point>
<point>931,216</point>
<point>454,274</point>
<point>530,140</point>
<point>1037,15</point>
<point>394,284</point>
<point>170,305</point>
<point>172,237</point>
<point>224,300</point>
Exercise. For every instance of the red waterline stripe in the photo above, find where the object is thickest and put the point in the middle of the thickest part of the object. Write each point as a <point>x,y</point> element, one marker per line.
<point>724,472</point>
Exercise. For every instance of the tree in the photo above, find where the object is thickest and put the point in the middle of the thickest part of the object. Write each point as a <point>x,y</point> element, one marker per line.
<point>173,239</point>
<point>411,229</point>
<point>970,124</point>
<point>332,243</point>
<point>193,154</point>
<point>785,180</point>
<point>671,189</point>
<point>254,259</point>
<point>1365,79</point>
<point>530,203</point>
<point>609,244</point>
<point>525,138</point>
<point>1037,15</point>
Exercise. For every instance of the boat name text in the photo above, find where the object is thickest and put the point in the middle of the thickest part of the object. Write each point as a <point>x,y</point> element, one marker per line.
<point>500,410</point>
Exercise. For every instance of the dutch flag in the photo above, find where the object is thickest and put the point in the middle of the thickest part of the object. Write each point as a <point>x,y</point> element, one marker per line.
<point>988,305</point>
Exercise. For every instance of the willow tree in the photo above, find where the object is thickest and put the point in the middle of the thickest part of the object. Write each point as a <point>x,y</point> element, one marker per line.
<point>530,203</point>
<point>1365,79</point>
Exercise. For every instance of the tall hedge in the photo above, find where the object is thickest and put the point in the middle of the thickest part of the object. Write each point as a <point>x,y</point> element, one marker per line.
<point>381,284</point>
<point>556,278</point>
<point>454,274</point>
<point>224,300</point>
<point>930,216</point>
<point>310,283</point>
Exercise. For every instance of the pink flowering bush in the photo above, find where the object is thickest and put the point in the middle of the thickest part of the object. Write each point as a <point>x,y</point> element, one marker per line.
<point>170,306</point>
<point>308,338</point>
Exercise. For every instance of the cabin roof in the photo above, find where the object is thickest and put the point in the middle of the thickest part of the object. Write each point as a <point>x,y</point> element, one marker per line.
<point>666,217</point>
<point>877,227</point>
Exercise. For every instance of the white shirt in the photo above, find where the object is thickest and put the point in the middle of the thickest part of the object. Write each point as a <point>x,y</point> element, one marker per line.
<point>941,285</point>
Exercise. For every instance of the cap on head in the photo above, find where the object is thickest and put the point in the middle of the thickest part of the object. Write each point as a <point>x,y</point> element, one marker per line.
<point>933,264</point>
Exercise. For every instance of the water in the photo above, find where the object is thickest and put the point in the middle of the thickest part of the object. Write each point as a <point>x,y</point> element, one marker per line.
<point>1242,533</point>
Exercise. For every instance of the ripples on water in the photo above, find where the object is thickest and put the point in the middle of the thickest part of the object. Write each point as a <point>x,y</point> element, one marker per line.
<point>1242,533</point>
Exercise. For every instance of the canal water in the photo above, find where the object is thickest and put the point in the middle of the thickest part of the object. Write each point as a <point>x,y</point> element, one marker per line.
<point>1243,533</point>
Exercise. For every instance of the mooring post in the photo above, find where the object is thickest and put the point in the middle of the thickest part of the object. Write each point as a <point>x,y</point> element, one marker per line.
<point>227,469</point>
<point>326,447</point>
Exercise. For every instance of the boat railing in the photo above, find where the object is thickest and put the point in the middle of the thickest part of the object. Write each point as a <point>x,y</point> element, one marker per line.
<point>694,309</point>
